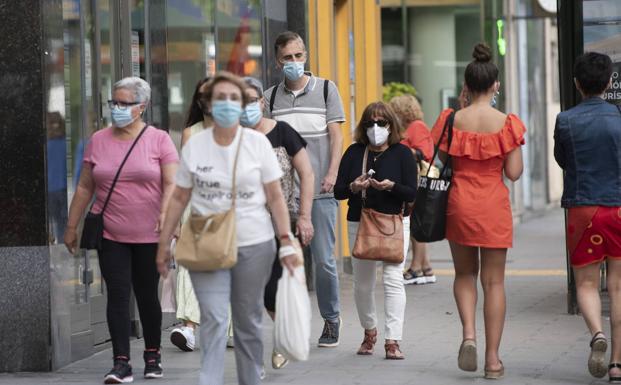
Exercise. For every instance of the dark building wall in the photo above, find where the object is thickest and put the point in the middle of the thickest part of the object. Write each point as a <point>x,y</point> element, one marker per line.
<point>24,256</point>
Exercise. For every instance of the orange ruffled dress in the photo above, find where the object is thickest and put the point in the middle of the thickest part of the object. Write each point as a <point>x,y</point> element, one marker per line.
<point>479,210</point>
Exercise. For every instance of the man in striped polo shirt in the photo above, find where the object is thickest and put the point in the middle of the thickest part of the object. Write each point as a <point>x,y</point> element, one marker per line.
<point>313,107</point>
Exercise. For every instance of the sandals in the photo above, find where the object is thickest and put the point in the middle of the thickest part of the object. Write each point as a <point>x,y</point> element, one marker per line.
<point>370,338</point>
<point>467,358</point>
<point>614,379</point>
<point>393,352</point>
<point>495,374</point>
<point>596,363</point>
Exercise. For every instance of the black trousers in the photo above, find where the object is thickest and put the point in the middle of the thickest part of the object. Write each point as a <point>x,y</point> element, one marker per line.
<point>123,266</point>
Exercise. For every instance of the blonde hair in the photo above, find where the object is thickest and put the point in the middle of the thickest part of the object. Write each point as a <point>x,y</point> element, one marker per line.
<point>407,109</point>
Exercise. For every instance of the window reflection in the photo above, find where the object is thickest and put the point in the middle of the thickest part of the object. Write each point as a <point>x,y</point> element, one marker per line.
<point>191,52</point>
<point>239,37</point>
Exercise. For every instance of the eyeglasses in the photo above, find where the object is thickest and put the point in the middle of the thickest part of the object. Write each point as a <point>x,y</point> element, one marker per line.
<point>370,123</point>
<point>121,105</point>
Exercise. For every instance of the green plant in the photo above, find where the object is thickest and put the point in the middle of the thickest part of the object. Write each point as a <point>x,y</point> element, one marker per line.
<point>392,89</point>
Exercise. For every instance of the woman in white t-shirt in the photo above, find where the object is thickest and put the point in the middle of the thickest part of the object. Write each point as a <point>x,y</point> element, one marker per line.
<point>204,180</point>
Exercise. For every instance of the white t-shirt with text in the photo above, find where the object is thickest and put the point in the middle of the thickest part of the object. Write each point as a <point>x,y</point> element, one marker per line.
<point>207,168</point>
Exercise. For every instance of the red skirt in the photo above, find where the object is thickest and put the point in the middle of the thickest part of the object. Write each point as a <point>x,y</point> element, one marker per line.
<point>593,234</point>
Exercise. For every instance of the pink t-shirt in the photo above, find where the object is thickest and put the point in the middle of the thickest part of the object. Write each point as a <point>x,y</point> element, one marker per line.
<point>135,203</point>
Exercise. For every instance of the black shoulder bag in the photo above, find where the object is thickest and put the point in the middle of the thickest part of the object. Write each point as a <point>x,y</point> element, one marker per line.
<point>92,231</point>
<point>428,220</point>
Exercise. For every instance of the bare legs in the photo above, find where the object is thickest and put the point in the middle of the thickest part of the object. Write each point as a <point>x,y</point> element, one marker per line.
<point>493,282</point>
<point>614,291</point>
<point>420,258</point>
<point>466,262</point>
<point>587,287</point>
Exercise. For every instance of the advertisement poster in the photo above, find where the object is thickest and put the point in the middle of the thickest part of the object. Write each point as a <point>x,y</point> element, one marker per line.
<point>602,33</point>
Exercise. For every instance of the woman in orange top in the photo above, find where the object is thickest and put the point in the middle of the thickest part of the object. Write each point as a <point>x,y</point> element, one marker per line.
<point>418,138</point>
<point>486,144</point>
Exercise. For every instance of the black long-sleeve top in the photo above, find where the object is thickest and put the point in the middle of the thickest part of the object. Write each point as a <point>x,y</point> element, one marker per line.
<point>396,163</point>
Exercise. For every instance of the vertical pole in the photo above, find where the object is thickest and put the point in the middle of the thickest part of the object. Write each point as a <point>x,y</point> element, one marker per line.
<point>570,41</point>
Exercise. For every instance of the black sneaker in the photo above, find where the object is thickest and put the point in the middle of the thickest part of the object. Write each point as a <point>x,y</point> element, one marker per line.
<point>152,364</point>
<point>121,373</point>
<point>330,335</point>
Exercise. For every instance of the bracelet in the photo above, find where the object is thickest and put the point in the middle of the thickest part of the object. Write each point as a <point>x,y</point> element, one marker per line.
<point>284,251</point>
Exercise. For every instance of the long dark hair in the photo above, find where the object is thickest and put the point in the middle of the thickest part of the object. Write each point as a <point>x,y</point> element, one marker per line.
<point>195,113</point>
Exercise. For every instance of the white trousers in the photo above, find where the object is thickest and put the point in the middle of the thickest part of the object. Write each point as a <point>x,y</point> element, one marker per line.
<point>394,291</point>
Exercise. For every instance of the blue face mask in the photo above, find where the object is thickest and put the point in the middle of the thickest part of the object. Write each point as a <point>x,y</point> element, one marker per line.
<point>252,115</point>
<point>293,70</point>
<point>122,118</point>
<point>226,113</point>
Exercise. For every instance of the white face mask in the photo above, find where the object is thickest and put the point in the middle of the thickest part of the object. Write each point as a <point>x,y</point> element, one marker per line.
<point>377,135</point>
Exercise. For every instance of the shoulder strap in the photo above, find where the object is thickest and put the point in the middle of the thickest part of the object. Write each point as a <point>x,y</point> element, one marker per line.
<point>448,124</point>
<point>364,171</point>
<point>273,98</point>
<point>326,83</point>
<point>234,190</point>
<point>118,172</point>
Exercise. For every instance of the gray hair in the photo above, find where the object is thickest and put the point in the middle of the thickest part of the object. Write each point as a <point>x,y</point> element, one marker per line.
<point>254,83</point>
<point>139,87</point>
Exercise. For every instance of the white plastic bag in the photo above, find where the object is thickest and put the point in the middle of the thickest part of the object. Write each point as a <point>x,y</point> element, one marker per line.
<point>293,316</point>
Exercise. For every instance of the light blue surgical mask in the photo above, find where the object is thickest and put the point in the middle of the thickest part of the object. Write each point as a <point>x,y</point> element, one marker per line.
<point>226,113</point>
<point>293,70</point>
<point>122,118</point>
<point>252,115</point>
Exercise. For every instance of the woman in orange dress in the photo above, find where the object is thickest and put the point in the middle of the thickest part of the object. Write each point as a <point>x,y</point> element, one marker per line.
<point>479,227</point>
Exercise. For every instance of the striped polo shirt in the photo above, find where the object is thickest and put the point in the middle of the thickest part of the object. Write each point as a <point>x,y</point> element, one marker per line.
<point>309,114</point>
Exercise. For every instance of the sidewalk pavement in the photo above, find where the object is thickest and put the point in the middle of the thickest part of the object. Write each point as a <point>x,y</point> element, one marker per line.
<point>542,344</point>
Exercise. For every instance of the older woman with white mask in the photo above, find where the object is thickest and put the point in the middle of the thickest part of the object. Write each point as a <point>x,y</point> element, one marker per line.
<point>204,180</point>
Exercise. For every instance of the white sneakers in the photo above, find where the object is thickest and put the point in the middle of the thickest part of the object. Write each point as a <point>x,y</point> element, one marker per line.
<point>183,338</point>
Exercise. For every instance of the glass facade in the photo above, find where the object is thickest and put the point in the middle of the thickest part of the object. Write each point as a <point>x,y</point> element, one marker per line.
<point>429,46</point>
<point>602,33</point>
<point>435,70</point>
<point>171,44</point>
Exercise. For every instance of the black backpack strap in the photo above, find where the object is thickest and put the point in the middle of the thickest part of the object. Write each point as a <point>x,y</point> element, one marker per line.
<point>118,172</point>
<point>326,83</point>
<point>273,98</point>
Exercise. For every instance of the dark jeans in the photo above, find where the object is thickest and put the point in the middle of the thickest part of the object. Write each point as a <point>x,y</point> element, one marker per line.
<point>123,266</point>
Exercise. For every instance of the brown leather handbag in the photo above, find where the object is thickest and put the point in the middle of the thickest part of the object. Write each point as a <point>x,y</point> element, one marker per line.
<point>379,236</point>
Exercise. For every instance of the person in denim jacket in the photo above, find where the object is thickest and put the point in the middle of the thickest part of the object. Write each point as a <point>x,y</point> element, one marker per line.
<point>587,145</point>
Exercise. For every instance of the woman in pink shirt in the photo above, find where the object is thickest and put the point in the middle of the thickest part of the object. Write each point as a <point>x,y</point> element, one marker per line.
<point>132,219</point>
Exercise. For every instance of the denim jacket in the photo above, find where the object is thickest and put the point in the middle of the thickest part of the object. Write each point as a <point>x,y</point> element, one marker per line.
<point>587,145</point>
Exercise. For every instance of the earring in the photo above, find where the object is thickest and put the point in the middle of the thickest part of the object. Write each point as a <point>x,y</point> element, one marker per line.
<point>494,101</point>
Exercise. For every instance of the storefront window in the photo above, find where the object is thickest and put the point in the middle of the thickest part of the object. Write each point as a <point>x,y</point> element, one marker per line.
<point>435,70</point>
<point>239,37</point>
<point>205,36</point>
<point>191,51</point>
<point>602,33</point>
